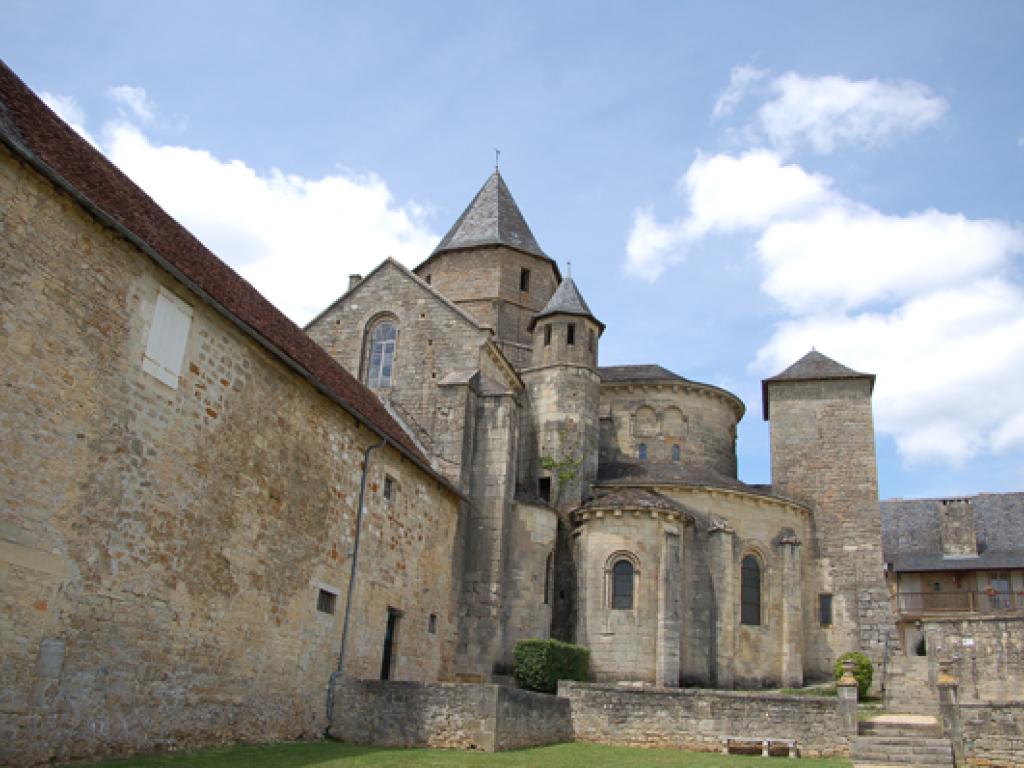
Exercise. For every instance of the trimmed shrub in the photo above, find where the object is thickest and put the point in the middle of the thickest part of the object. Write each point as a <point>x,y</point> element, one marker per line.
<point>863,672</point>
<point>540,664</point>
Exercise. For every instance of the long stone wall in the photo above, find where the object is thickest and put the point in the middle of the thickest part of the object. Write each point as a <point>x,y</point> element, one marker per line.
<point>447,715</point>
<point>163,549</point>
<point>696,719</point>
<point>993,734</point>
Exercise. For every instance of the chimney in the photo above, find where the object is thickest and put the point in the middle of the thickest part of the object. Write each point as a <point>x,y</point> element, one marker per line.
<point>354,280</point>
<point>957,528</point>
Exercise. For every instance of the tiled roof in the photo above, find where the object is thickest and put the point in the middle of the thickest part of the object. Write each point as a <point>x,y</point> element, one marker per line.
<point>637,373</point>
<point>813,366</point>
<point>911,531</point>
<point>634,498</point>
<point>566,300</point>
<point>492,218</point>
<point>33,132</point>
<point>641,473</point>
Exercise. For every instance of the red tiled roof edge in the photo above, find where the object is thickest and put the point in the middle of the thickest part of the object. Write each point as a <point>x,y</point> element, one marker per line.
<point>32,131</point>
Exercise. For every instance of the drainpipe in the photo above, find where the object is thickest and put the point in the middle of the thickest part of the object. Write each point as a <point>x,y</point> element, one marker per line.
<point>351,581</point>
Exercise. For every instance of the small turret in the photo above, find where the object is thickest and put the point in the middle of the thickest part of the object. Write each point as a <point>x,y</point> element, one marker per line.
<point>566,331</point>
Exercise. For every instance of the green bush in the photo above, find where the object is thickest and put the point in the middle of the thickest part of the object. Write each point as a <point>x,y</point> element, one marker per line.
<point>863,672</point>
<point>540,664</point>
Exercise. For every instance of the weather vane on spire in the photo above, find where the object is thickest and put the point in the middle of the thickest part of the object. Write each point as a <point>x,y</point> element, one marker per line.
<point>497,159</point>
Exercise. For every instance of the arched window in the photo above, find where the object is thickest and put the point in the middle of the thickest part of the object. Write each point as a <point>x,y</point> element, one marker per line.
<point>677,452</point>
<point>750,591</point>
<point>382,354</point>
<point>622,585</point>
<point>641,451</point>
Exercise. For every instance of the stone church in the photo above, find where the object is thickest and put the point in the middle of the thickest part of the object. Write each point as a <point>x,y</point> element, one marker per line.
<point>603,502</point>
<point>210,515</point>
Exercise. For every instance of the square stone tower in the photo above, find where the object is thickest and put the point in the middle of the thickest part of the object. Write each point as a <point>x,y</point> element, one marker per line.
<point>823,454</point>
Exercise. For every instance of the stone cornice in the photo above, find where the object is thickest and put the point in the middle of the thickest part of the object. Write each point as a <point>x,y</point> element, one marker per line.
<point>694,387</point>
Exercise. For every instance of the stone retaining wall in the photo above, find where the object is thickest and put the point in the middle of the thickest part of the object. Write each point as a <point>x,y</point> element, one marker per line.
<point>696,719</point>
<point>987,652</point>
<point>447,715</point>
<point>993,734</point>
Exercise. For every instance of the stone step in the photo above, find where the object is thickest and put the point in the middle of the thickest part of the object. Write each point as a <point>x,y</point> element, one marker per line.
<point>869,728</point>
<point>901,750</point>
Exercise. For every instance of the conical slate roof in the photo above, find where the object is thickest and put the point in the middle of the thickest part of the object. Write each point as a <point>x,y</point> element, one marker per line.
<point>492,218</point>
<point>567,300</point>
<point>813,366</point>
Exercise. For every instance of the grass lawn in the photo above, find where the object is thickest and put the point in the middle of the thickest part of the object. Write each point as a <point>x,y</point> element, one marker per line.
<point>329,754</point>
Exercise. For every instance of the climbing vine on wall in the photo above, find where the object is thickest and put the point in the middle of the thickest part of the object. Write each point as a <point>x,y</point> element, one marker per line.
<point>564,466</point>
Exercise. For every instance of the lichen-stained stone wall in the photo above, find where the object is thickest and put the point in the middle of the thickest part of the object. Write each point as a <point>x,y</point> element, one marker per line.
<point>987,654</point>
<point>697,719</point>
<point>700,420</point>
<point>993,734</point>
<point>162,550</point>
<point>447,716</point>
<point>715,641</point>
<point>529,579</point>
<point>823,454</point>
<point>485,282</point>
<point>436,354</point>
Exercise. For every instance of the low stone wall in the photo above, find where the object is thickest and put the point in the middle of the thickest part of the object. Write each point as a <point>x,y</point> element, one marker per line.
<point>993,734</point>
<point>696,719</point>
<point>447,715</point>
<point>987,654</point>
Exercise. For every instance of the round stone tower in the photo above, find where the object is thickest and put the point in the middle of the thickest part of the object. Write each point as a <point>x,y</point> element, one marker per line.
<point>563,389</point>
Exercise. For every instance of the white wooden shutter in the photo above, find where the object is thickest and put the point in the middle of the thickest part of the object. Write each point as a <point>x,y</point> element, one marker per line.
<point>168,335</point>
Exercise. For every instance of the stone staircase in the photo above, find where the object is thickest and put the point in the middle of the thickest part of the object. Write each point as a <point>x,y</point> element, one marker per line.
<point>907,688</point>
<point>901,740</point>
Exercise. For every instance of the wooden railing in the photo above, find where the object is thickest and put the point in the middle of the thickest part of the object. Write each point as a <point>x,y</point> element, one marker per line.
<point>953,602</point>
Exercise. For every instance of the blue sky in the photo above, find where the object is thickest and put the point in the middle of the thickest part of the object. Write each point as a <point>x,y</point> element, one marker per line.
<point>732,182</point>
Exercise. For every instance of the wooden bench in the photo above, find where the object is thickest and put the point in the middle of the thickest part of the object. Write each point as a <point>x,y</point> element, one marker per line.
<point>765,743</point>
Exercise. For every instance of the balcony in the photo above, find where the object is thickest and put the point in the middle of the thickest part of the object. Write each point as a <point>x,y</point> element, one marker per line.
<point>988,602</point>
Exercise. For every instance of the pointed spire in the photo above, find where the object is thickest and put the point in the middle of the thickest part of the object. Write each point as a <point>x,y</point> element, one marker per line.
<point>567,300</point>
<point>492,218</point>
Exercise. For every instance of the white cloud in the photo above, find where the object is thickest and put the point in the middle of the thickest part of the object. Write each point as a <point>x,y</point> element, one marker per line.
<point>69,111</point>
<point>828,111</point>
<point>949,365</point>
<point>295,239</point>
<point>134,99</point>
<point>930,300</point>
<point>740,81</point>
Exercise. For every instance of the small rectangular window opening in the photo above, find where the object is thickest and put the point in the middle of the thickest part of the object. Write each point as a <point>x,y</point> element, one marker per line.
<point>547,335</point>
<point>544,488</point>
<point>390,488</point>
<point>326,601</point>
<point>825,609</point>
<point>432,624</point>
<point>524,279</point>
<point>428,279</point>
<point>591,338</point>
<point>570,334</point>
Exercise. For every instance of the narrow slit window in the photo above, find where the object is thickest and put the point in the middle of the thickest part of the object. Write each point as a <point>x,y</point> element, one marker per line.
<point>591,341</point>
<point>524,279</point>
<point>676,452</point>
<point>641,451</point>
<point>390,488</point>
<point>432,624</point>
<point>544,488</point>
<point>570,334</point>
<point>168,336</point>
<point>750,591</point>
<point>428,279</point>
<point>547,335</point>
<point>825,609</point>
<point>549,567</point>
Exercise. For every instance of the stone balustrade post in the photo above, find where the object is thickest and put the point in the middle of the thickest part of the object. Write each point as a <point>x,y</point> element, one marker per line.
<point>949,708</point>
<point>846,689</point>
